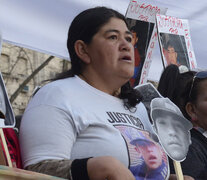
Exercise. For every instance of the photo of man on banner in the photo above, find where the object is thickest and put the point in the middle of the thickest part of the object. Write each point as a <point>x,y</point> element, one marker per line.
<point>142,32</point>
<point>174,50</point>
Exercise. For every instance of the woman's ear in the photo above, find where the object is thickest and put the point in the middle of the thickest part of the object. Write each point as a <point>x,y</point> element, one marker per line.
<point>81,51</point>
<point>190,109</point>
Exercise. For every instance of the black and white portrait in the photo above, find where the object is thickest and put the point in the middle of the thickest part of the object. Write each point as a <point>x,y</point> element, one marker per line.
<point>172,128</point>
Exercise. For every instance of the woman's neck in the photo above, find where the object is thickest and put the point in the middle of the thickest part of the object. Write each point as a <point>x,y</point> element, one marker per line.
<point>100,86</point>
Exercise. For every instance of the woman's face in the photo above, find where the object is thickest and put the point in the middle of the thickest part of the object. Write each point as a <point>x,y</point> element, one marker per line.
<point>111,52</point>
<point>201,105</point>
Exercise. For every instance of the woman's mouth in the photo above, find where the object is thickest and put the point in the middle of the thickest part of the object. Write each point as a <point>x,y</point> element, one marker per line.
<point>126,58</point>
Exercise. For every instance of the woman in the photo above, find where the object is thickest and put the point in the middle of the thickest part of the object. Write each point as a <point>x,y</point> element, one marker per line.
<point>188,91</point>
<point>78,126</point>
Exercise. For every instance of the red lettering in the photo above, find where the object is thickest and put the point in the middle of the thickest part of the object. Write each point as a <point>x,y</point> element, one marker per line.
<point>143,10</point>
<point>180,24</point>
<point>154,35</point>
<point>143,18</point>
<point>192,64</point>
<point>188,44</point>
<point>146,65</point>
<point>149,55</point>
<point>171,22</point>
<point>137,9</point>
<point>152,45</point>
<point>174,31</point>
<point>142,6</point>
<point>190,54</point>
<point>143,77</point>
<point>186,34</point>
<point>134,7</point>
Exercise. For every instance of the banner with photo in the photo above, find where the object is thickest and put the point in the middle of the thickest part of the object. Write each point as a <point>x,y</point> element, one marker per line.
<point>7,119</point>
<point>175,41</point>
<point>141,19</point>
<point>6,113</point>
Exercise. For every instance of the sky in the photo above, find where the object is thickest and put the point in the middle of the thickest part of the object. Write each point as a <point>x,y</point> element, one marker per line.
<point>42,25</point>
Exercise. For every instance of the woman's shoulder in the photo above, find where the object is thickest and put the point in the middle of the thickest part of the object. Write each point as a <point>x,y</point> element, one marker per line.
<point>141,105</point>
<point>141,109</point>
<point>60,86</point>
<point>53,93</point>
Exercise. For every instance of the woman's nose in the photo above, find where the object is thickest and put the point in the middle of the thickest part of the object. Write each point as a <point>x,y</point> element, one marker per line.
<point>125,45</point>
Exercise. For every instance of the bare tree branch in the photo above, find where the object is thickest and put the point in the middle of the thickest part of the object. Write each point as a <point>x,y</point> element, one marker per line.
<point>16,93</point>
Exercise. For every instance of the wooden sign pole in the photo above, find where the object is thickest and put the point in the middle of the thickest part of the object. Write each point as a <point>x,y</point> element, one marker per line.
<point>178,170</point>
<point>5,148</point>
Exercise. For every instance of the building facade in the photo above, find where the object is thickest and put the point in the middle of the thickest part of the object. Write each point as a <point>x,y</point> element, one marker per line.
<point>17,64</point>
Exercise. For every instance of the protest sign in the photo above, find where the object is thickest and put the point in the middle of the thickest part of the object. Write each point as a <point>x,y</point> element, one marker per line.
<point>148,92</point>
<point>141,19</point>
<point>175,41</point>
<point>6,113</point>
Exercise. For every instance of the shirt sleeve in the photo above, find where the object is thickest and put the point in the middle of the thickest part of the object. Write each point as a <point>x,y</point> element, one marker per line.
<point>46,132</point>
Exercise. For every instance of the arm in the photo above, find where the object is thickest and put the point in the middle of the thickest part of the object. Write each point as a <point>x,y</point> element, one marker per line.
<point>47,137</point>
<point>98,168</point>
<point>59,168</point>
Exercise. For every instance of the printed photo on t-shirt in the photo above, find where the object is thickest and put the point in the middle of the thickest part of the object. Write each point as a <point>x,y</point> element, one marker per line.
<point>147,159</point>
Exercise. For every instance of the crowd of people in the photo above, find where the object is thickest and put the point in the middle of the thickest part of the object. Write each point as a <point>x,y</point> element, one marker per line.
<point>89,123</point>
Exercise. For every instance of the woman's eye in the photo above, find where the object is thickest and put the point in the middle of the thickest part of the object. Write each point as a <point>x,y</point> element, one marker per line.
<point>129,39</point>
<point>113,37</point>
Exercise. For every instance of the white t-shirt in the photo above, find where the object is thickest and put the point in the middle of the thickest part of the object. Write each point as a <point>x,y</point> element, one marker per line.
<point>69,119</point>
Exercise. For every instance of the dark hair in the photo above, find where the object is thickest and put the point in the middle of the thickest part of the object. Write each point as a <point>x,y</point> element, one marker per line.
<point>133,29</point>
<point>176,86</point>
<point>171,43</point>
<point>167,81</point>
<point>84,27</point>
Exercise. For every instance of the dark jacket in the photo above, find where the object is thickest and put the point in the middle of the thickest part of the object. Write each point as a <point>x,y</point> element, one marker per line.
<point>195,164</point>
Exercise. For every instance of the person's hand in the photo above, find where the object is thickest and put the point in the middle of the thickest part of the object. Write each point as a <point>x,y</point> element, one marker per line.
<point>173,177</point>
<point>106,167</point>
